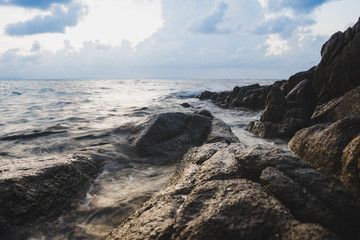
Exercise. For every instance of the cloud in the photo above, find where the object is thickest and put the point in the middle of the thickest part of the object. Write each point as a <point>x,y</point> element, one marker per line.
<point>298,6</point>
<point>35,47</point>
<point>269,45</point>
<point>40,4</point>
<point>275,45</point>
<point>283,25</point>
<point>54,23</point>
<point>210,23</point>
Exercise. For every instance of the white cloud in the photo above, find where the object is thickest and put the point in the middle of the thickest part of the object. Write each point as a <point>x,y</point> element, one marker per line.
<point>275,45</point>
<point>141,38</point>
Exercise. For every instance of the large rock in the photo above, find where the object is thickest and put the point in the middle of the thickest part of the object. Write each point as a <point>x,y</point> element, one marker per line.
<point>338,108</point>
<point>286,114</point>
<point>309,195</point>
<point>332,149</point>
<point>223,190</point>
<point>43,190</point>
<point>339,68</point>
<point>171,134</point>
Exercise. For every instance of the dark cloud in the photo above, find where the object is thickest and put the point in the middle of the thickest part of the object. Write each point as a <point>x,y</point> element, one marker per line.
<point>54,23</point>
<point>298,6</point>
<point>283,25</point>
<point>40,4</point>
<point>209,24</point>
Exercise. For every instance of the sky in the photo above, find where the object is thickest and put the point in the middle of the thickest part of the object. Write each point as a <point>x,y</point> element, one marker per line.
<point>212,39</point>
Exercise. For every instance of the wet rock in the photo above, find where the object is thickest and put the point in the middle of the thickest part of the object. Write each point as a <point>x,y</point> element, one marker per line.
<point>43,190</point>
<point>171,134</point>
<point>224,190</point>
<point>185,105</point>
<point>206,113</point>
<point>252,96</point>
<point>323,145</point>
<point>220,132</point>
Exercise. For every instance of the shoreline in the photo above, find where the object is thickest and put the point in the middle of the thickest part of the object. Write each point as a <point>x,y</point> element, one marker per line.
<point>223,189</point>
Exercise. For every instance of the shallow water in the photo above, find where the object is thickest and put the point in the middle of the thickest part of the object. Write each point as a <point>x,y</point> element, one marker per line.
<point>52,119</point>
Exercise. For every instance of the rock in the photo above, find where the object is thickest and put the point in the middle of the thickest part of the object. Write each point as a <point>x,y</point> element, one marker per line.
<point>338,108</point>
<point>339,69</point>
<point>252,96</point>
<point>284,115</point>
<point>206,113</point>
<point>171,134</point>
<point>295,79</point>
<point>275,106</point>
<point>323,146</point>
<point>322,86</point>
<point>44,191</point>
<point>309,195</point>
<point>350,162</point>
<point>220,132</point>
<point>266,129</point>
<point>306,231</point>
<point>224,190</point>
<point>206,95</point>
<point>185,105</point>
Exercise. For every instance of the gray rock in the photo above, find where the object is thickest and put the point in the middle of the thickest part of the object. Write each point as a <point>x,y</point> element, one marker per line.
<point>338,108</point>
<point>220,132</point>
<point>172,134</point>
<point>251,96</point>
<point>284,115</point>
<point>44,190</point>
<point>323,146</point>
<point>227,191</point>
<point>309,195</point>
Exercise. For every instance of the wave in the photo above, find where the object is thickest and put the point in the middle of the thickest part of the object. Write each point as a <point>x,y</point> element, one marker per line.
<point>27,136</point>
<point>188,94</point>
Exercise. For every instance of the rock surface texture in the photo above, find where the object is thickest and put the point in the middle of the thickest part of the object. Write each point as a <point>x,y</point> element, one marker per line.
<point>43,191</point>
<point>225,190</point>
<point>332,149</point>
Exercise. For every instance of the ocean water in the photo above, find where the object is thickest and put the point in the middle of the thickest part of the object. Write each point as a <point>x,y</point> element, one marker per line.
<point>45,120</point>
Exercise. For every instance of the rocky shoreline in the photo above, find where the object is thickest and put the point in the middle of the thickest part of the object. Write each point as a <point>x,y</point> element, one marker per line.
<point>223,189</point>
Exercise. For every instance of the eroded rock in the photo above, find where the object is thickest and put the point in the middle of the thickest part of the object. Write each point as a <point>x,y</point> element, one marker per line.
<point>323,146</point>
<point>171,134</point>
<point>223,190</point>
<point>45,190</point>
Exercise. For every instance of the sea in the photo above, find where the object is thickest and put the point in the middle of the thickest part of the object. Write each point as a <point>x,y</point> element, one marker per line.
<point>45,120</point>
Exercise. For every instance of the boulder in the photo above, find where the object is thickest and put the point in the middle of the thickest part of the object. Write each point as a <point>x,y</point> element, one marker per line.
<point>295,79</point>
<point>338,108</point>
<point>332,149</point>
<point>171,134</point>
<point>284,115</point>
<point>339,69</point>
<point>223,190</point>
<point>309,195</point>
<point>44,190</point>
